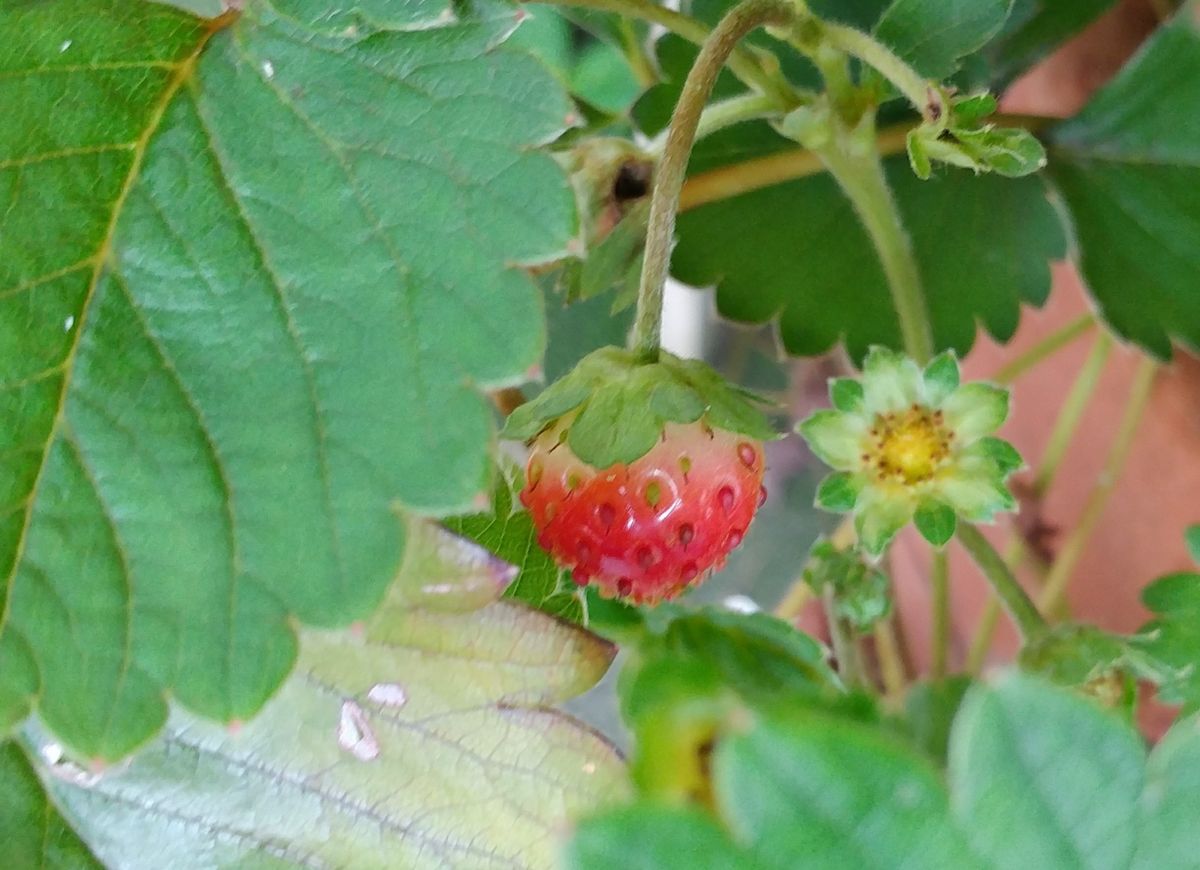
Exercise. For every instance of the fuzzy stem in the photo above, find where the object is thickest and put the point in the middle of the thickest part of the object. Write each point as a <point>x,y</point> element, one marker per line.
<point>1072,549</point>
<point>664,201</point>
<point>860,173</point>
<point>985,631</point>
<point>925,98</point>
<point>742,63</point>
<point>843,646</point>
<point>1048,346</point>
<point>891,665</point>
<point>1018,604</point>
<point>940,581</point>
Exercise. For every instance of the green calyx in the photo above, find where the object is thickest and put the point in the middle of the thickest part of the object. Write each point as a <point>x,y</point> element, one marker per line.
<point>620,405</point>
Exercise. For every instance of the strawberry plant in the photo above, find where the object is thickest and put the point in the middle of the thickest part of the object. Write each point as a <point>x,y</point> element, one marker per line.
<point>353,417</point>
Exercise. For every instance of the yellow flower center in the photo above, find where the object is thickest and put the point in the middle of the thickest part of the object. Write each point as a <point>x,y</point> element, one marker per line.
<point>907,446</point>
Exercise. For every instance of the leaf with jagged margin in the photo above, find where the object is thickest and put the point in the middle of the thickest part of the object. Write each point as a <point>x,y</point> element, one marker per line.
<point>1128,168</point>
<point>422,739</point>
<point>252,280</point>
<point>796,253</point>
<point>507,531</point>
<point>32,832</point>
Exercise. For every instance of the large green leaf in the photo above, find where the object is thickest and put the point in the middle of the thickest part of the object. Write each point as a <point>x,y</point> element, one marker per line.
<point>931,35</point>
<point>1128,166</point>
<point>797,252</point>
<point>251,282</point>
<point>32,833</point>
<point>422,739</point>
<point>1043,778</point>
<point>1038,777</point>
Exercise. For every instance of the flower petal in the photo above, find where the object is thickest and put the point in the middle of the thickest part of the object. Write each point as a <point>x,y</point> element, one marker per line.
<point>890,381</point>
<point>878,521</point>
<point>836,438</point>
<point>976,493</point>
<point>975,410</point>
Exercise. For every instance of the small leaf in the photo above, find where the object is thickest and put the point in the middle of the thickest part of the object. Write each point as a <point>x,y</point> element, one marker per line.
<point>1173,636</point>
<point>918,156</point>
<point>838,492</point>
<point>1007,151</point>
<point>941,377</point>
<point>508,532</point>
<point>936,522</point>
<point>861,592</point>
<point>846,394</point>
<point>969,111</point>
<point>1007,458</point>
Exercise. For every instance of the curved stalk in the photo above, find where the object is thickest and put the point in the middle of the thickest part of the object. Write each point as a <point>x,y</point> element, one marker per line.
<point>668,182</point>
<point>1018,604</point>
<point>924,96</point>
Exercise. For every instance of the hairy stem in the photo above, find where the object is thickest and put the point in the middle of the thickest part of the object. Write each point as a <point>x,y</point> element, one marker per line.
<point>891,664</point>
<point>1019,606</point>
<point>1047,347</point>
<point>1072,549</point>
<point>925,97</point>
<point>742,63</point>
<point>843,646</point>
<point>940,581</point>
<point>985,631</point>
<point>859,172</point>
<point>668,182</point>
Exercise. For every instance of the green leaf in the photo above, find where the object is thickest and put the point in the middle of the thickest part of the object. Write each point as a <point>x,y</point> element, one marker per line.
<point>32,832</point>
<point>423,740</point>
<point>1167,814</point>
<point>846,394</point>
<point>1128,166</point>
<point>575,330</point>
<point>815,788</point>
<point>931,35</point>
<point>1043,778</point>
<point>930,708</point>
<point>941,377</point>
<point>1173,636</point>
<point>839,492</point>
<point>508,533</point>
<point>936,522</point>
<point>653,836</point>
<point>861,592</point>
<point>1007,458</point>
<point>810,265</point>
<point>225,358</point>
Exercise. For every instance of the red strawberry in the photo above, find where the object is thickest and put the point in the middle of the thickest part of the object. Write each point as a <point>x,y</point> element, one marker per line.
<point>647,530</point>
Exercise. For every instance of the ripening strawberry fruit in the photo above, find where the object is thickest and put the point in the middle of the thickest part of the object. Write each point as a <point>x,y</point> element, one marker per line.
<point>646,530</point>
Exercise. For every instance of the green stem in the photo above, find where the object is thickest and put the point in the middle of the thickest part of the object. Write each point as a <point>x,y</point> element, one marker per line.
<point>635,54</point>
<point>843,647</point>
<point>669,175</point>
<point>988,621</point>
<point>735,110</point>
<point>1048,346</point>
<point>1071,414</point>
<point>1019,606</point>
<point>924,96</point>
<point>940,581</point>
<point>742,63</point>
<point>859,171</point>
<point>1072,548</point>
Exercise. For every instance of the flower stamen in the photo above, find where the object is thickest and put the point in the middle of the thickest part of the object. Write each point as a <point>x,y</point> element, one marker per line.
<point>908,446</point>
